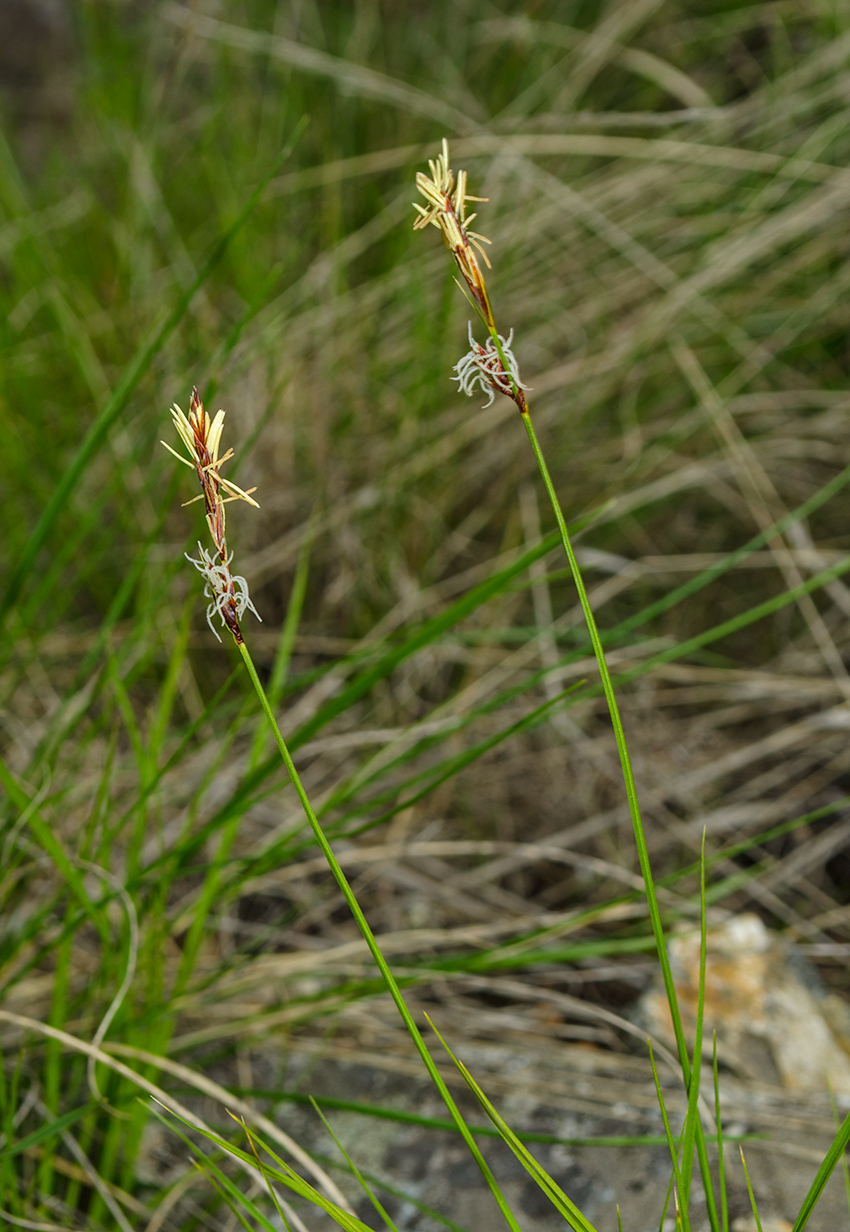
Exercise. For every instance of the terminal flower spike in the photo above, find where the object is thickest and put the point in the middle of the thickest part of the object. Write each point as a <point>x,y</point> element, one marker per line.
<point>202,438</point>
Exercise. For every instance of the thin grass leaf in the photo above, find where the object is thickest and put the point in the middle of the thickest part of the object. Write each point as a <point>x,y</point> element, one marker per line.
<point>231,1193</point>
<point>672,1145</point>
<point>355,1171</point>
<point>844,1168</point>
<point>721,1164</point>
<point>281,1173</point>
<point>692,1114</point>
<point>277,1204</point>
<point>45,837</point>
<point>750,1191</point>
<point>667,1198</point>
<point>562,1203</point>
<point>46,1131</point>
<point>226,1198</point>
<point>402,1117</point>
<point>824,1172</point>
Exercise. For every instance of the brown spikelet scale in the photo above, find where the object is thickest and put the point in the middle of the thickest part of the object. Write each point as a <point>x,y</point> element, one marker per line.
<point>202,437</point>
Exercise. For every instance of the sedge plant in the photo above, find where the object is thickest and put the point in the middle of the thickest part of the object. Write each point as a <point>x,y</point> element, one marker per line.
<point>493,368</point>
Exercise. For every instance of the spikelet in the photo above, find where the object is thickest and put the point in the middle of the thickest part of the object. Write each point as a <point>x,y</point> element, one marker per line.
<point>202,438</point>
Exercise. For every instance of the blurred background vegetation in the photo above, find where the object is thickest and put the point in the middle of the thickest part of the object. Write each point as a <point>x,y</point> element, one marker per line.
<point>219,195</point>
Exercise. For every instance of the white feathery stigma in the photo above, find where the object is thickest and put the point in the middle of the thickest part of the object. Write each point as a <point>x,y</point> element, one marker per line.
<point>483,365</point>
<point>222,587</point>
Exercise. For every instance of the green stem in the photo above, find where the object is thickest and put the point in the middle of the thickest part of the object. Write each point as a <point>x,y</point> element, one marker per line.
<point>631,793</point>
<point>371,941</point>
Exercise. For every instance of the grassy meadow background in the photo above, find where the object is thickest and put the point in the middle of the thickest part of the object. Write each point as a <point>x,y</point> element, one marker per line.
<point>220,195</point>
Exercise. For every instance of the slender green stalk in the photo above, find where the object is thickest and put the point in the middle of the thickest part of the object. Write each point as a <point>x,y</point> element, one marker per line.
<point>634,805</point>
<point>371,942</point>
<point>495,369</point>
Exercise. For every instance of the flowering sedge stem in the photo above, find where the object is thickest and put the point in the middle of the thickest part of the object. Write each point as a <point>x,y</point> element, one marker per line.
<point>617,723</point>
<point>495,369</point>
<point>369,937</point>
<point>631,793</point>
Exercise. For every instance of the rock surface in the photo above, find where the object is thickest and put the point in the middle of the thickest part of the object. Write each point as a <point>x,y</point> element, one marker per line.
<point>774,1021</point>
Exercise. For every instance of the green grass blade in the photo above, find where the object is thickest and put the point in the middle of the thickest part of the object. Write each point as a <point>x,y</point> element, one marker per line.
<point>354,1169</point>
<point>721,1163</point>
<point>672,1145</point>
<point>692,1115</point>
<point>750,1191</point>
<point>46,1131</point>
<point>824,1172</point>
<point>412,1118</point>
<point>844,1168</point>
<point>562,1203</point>
<point>47,840</point>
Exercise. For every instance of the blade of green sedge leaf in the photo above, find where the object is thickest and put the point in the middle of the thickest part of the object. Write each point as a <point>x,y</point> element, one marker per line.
<point>666,1202</point>
<point>209,1174</point>
<point>411,1118</point>
<point>676,1180</point>
<point>721,1165</point>
<point>277,1203</point>
<point>46,1131</point>
<point>126,386</point>
<point>210,1169</point>
<point>750,1191</point>
<point>282,1173</point>
<point>48,841</point>
<point>837,1119</point>
<point>824,1172</point>
<point>692,1114</point>
<point>401,1194</point>
<point>353,1167</point>
<point>550,1188</point>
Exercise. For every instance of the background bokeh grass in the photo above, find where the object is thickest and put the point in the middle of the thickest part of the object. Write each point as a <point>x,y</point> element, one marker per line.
<point>668,210</point>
